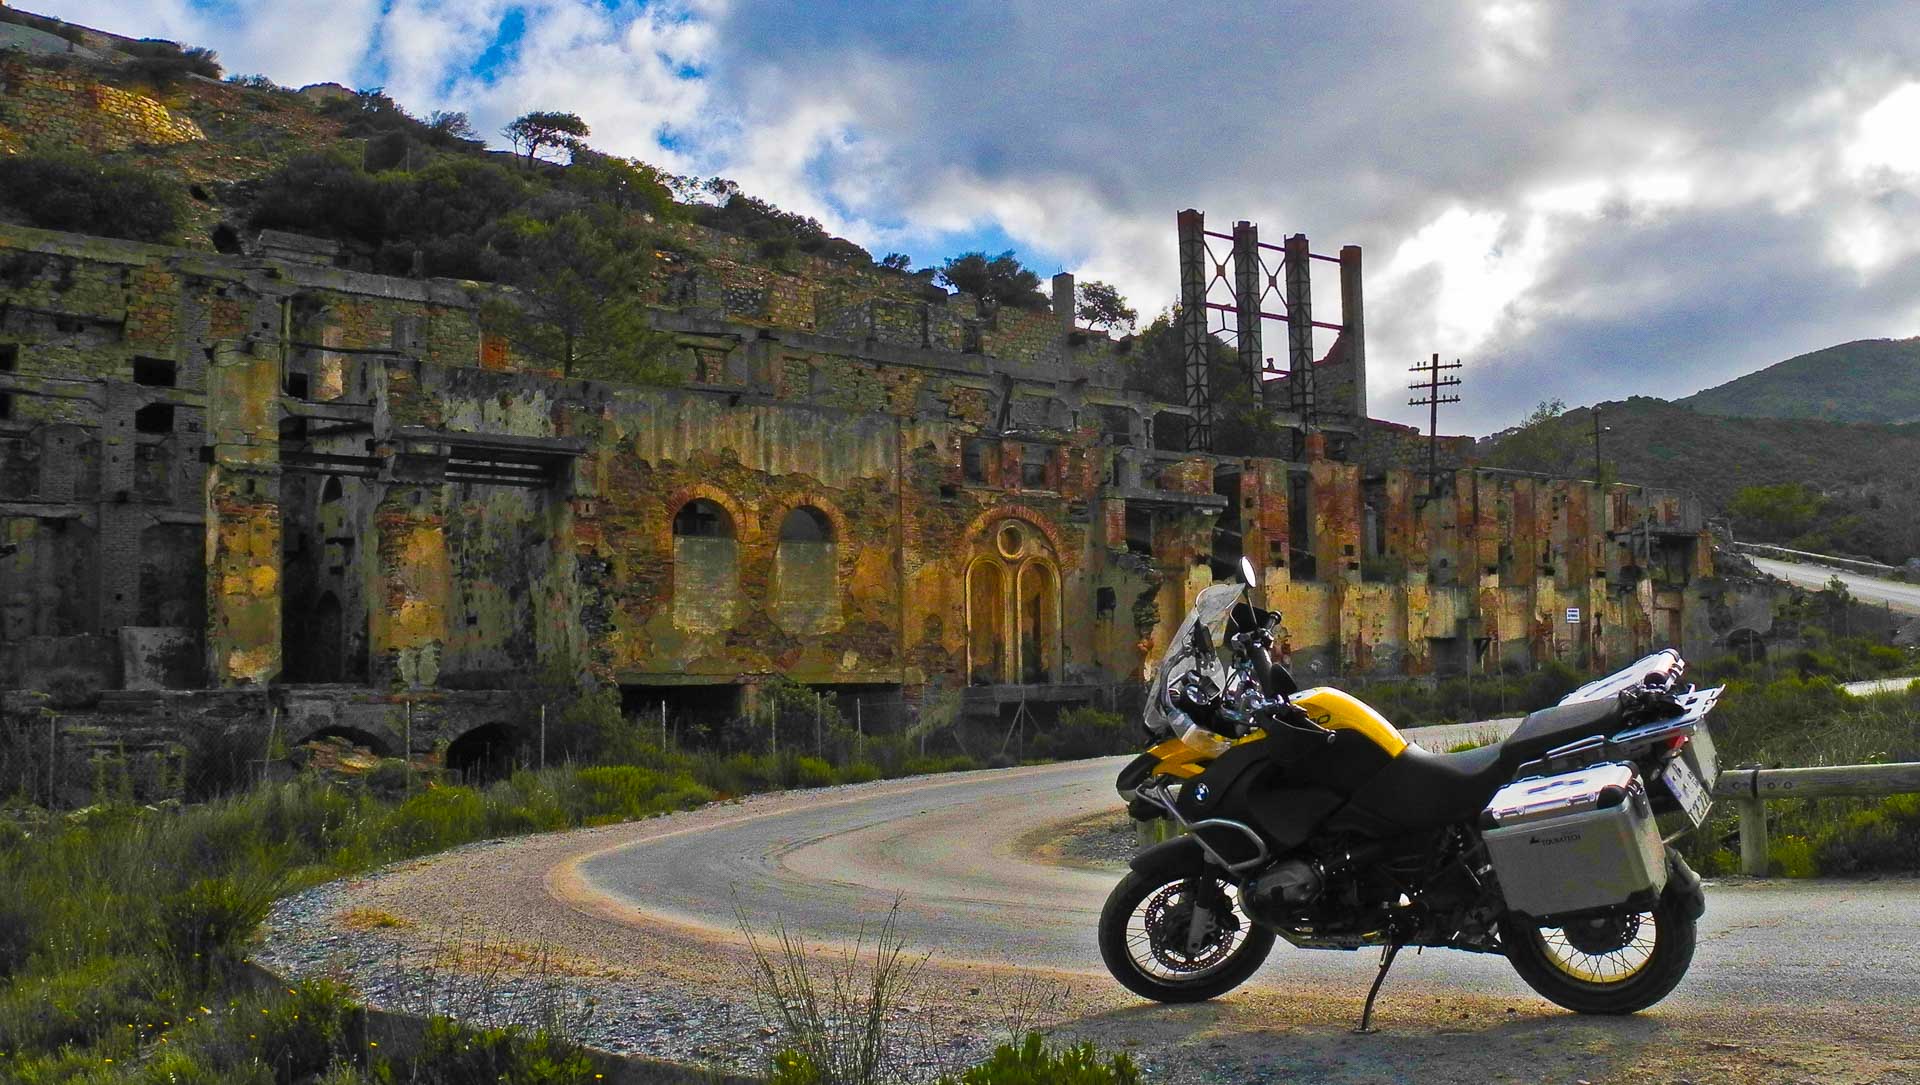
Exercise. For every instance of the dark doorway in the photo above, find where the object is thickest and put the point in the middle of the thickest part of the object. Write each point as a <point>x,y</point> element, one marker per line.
<point>484,754</point>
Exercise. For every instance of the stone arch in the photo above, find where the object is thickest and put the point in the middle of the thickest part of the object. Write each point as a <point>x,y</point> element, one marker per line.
<point>746,527</point>
<point>806,572</point>
<point>1748,644</point>
<point>378,744</point>
<point>706,565</point>
<point>484,753</point>
<point>1034,518</point>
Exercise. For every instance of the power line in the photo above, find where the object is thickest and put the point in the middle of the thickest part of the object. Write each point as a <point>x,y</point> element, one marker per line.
<point>1433,386</point>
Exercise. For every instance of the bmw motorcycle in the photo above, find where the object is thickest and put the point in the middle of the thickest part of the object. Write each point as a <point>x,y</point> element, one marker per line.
<point>1303,814</point>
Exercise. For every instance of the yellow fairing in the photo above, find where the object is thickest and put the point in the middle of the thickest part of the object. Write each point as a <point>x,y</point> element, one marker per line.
<point>1185,762</point>
<point>1339,711</point>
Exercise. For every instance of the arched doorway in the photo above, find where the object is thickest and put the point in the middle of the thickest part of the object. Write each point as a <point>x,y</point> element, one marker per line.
<point>484,754</point>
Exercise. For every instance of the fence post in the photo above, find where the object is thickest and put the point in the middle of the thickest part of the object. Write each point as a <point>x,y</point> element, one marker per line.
<point>1753,837</point>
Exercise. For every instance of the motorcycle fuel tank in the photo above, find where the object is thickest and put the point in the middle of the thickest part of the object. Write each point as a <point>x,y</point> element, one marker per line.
<point>1338,710</point>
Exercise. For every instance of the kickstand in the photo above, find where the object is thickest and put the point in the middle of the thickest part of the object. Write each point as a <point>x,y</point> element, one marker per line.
<point>1386,962</point>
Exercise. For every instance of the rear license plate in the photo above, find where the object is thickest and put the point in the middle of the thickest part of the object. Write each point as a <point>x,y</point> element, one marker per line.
<point>1688,790</point>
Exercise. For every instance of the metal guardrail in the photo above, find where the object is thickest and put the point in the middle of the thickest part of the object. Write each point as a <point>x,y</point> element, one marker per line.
<point>1807,557</point>
<point>1749,789</point>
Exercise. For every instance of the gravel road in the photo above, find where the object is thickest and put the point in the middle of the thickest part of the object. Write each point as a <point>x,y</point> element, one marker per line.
<point>1794,981</point>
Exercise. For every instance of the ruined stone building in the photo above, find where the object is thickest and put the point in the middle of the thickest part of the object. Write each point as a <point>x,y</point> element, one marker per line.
<point>263,472</point>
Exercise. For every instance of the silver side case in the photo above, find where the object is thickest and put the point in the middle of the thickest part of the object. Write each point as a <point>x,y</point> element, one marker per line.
<point>1575,842</point>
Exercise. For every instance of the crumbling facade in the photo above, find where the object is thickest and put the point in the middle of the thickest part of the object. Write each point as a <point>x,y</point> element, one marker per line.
<point>265,473</point>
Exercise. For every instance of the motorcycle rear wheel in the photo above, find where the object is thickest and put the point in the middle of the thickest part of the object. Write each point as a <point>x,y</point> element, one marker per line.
<point>1575,967</point>
<point>1143,932</point>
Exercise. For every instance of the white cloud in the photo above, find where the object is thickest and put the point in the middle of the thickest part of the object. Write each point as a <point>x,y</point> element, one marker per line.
<point>1888,135</point>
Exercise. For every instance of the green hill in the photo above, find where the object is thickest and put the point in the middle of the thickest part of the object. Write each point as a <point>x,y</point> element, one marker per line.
<point>1867,380</point>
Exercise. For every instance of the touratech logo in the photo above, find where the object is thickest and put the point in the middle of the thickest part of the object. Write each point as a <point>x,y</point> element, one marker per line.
<point>1563,838</point>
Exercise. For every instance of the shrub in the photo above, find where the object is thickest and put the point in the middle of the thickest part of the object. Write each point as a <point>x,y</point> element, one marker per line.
<point>1032,1063</point>
<point>64,191</point>
<point>1883,837</point>
<point>204,927</point>
<point>164,63</point>
<point>391,778</point>
<point>1792,857</point>
<point>813,772</point>
<point>1086,732</point>
<point>456,1055</point>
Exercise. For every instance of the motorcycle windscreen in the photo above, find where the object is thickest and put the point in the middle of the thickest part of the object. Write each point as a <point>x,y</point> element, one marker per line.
<point>1211,608</point>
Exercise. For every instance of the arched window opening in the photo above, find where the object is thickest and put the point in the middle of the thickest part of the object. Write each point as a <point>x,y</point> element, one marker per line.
<point>331,491</point>
<point>703,519</point>
<point>806,524</point>
<point>706,568</point>
<point>1039,612</point>
<point>986,624</point>
<point>806,581</point>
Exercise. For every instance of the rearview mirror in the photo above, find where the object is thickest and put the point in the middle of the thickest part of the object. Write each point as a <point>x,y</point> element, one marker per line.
<point>1246,570</point>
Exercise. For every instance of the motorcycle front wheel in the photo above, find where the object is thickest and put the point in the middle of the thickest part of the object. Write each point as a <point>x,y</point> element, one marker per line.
<point>1154,944</point>
<point>1616,965</point>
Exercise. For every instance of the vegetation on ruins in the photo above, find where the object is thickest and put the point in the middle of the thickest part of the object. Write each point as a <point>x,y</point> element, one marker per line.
<point>577,304</point>
<point>999,279</point>
<point>68,191</point>
<point>164,63</point>
<point>1101,305</point>
<point>719,204</point>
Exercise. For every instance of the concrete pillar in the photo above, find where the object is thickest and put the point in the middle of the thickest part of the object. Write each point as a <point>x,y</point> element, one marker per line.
<point>1193,328</point>
<point>1063,301</point>
<point>1246,291</point>
<point>243,516</point>
<point>1353,325</point>
<point>409,617</point>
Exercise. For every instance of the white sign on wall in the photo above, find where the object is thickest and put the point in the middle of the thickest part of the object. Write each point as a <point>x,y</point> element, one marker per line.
<point>1573,615</point>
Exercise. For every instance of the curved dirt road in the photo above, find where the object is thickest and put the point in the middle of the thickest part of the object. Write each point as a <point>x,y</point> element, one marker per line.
<point>1792,982</point>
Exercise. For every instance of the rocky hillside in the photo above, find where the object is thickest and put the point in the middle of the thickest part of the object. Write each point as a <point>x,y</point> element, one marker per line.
<point>1868,380</point>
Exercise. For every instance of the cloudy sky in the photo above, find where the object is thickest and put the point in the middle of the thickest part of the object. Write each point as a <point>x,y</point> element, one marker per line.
<point>1579,201</point>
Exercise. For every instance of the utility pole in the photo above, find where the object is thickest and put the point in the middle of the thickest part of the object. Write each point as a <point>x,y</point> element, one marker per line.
<point>1433,386</point>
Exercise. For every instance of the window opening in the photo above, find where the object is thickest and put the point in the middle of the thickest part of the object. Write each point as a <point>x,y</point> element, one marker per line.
<point>155,372</point>
<point>701,518</point>
<point>154,418</point>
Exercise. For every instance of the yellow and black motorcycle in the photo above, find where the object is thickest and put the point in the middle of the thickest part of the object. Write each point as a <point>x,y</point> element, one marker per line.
<point>1306,815</point>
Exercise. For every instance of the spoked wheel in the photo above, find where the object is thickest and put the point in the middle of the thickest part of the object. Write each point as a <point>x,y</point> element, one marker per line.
<point>1618,964</point>
<point>1179,937</point>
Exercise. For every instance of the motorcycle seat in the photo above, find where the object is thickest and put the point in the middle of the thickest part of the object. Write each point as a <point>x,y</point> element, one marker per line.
<point>1552,727</point>
<point>1420,789</point>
